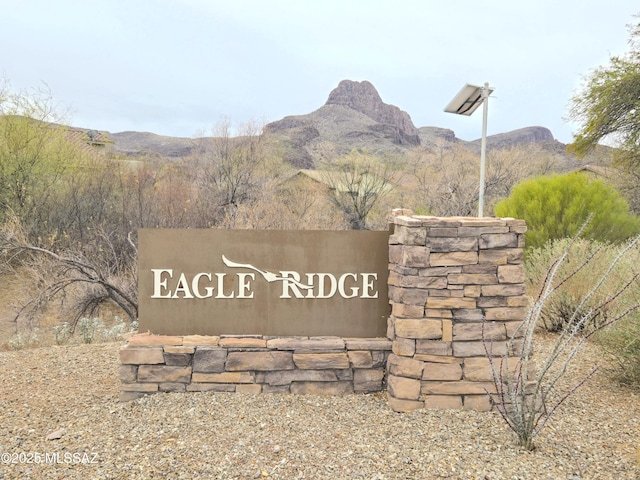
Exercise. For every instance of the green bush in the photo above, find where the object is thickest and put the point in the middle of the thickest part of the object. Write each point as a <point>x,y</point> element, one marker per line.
<point>557,206</point>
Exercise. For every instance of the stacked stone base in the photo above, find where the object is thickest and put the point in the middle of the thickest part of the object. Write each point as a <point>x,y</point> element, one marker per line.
<point>252,364</point>
<point>445,381</point>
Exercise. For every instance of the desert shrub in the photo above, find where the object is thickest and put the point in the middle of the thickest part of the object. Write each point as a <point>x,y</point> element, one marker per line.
<point>585,261</point>
<point>20,341</point>
<point>527,397</point>
<point>62,333</point>
<point>621,343</point>
<point>117,330</point>
<point>93,330</point>
<point>565,310</point>
<point>88,327</point>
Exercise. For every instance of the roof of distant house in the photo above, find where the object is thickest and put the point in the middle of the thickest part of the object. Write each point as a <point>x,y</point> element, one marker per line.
<point>343,181</point>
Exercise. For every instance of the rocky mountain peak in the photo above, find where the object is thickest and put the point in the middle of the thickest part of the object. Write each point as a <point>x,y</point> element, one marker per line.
<point>360,96</point>
<point>364,98</point>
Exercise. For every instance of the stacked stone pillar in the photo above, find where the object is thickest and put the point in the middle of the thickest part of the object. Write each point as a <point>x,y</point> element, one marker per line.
<point>457,293</point>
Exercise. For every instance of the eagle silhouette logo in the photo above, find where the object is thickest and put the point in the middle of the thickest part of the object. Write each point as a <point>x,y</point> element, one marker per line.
<point>268,276</point>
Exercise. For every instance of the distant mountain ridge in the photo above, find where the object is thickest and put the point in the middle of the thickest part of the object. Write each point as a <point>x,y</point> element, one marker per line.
<point>353,117</point>
<point>136,143</point>
<point>519,137</point>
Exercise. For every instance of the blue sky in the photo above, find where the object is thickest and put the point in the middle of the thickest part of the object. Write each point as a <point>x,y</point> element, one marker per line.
<point>176,67</point>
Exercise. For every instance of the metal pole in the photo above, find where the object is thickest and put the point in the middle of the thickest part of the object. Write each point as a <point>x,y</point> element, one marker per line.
<point>483,146</point>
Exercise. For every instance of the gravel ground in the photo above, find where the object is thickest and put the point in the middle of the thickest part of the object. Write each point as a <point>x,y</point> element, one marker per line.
<point>596,434</point>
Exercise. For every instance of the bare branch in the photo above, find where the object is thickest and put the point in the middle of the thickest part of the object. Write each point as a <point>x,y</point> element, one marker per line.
<point>57,274</point>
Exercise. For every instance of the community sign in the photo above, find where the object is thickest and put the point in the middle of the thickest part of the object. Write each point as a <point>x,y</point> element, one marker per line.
<point>263,282</point>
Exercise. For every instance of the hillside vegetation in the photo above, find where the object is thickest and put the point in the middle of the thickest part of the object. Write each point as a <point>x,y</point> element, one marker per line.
<point>82,195</point>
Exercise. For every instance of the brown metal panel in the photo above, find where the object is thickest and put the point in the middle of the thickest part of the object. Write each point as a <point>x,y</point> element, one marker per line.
<point>176,266</point>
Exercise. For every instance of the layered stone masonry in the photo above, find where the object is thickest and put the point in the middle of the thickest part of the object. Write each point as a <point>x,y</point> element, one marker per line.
<point>457,291</point>
<point>252,364</point>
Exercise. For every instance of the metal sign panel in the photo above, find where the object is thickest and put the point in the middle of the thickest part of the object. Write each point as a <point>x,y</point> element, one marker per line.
<point>265,282</point>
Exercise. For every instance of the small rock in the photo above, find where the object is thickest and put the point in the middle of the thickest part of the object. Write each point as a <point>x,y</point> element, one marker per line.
<point>56,434</point>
